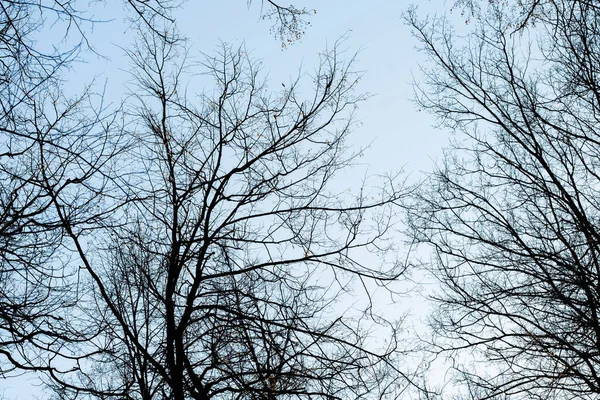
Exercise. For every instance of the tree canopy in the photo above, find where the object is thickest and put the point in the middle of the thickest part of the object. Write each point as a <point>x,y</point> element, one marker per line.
<point>511,214</point>
<point>191,239</point>
<point>184,245</point>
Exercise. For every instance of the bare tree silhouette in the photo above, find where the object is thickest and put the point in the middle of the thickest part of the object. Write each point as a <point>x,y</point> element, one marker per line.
<point>512,214</point>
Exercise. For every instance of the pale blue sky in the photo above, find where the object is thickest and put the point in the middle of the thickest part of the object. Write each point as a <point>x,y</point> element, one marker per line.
<point>400,135</point>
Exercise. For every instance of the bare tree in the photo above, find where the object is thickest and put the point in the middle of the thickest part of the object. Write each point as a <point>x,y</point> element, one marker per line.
<point>44,137</point>
<point>57,148</point>
<point>523,13</point>
<point>512,214</point>
<point>224,271</point>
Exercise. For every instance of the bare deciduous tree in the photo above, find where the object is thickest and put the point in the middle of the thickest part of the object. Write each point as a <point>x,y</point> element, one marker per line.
<point>44,137</point>
<point>55,149</point>
<point>225,257</point>
<point>512,214</point>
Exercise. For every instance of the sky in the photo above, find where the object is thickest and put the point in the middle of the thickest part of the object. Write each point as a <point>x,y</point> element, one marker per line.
<point>398,136</point>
